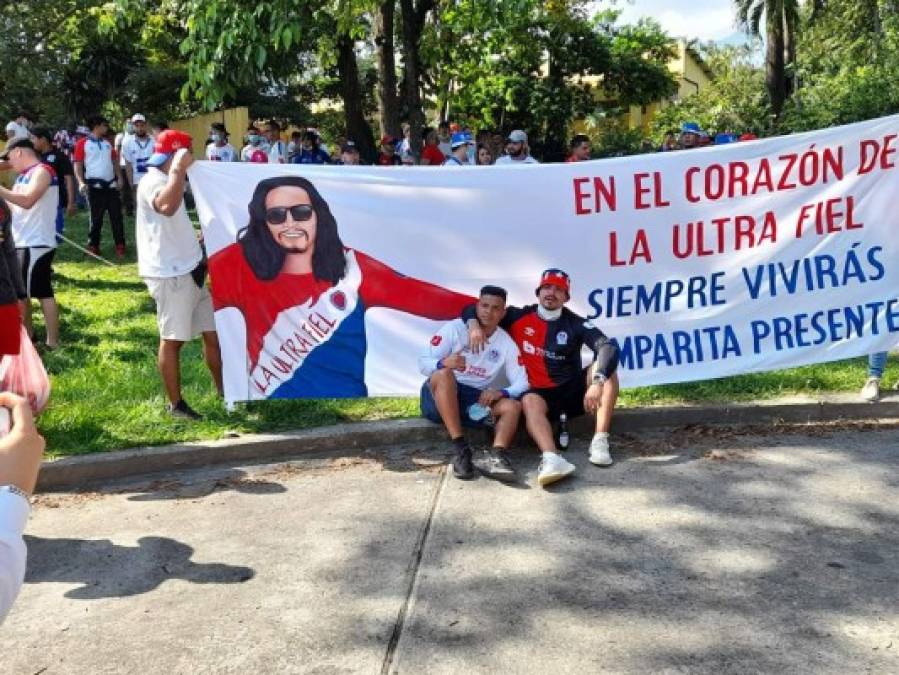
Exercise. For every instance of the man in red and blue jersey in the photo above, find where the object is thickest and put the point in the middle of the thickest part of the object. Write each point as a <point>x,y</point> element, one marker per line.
<point>33,201</point>
<point>42,137</point>
<point>100,179</point>
<point>303,295</point>
<point>550,337</point>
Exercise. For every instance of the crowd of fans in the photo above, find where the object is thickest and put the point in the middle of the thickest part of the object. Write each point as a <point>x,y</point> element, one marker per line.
<point>96,169</point>
<point>143,171</point>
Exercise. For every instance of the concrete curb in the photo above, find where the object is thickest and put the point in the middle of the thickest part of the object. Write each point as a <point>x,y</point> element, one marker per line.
<point>79,471</point>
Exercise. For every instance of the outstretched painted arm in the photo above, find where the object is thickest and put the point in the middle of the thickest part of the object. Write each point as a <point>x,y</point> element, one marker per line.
<point>385,287</point>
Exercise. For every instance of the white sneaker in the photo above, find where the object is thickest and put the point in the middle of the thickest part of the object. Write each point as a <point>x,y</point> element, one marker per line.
<point>599,450</point>
<point>553,467</point>
<point>871,390</point>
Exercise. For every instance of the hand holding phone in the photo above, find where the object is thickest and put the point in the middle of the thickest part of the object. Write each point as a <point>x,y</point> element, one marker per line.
<point>22,447</point>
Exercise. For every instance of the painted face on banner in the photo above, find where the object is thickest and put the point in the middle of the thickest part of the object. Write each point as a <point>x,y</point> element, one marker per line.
<point>293,235</point>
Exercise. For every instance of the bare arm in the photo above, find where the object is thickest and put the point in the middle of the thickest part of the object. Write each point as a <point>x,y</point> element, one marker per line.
<point>70,193</point>
<point>79,174</point>
<point>35,190</point>
<point>170,197</point>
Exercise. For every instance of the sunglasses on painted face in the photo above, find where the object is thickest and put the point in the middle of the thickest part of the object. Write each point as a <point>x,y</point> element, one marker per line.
<point>277,215</point>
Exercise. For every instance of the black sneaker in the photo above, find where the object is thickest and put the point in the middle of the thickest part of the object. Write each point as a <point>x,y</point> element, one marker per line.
<point>183,411</point>
<point>462,466</point>
<point>495,464</point>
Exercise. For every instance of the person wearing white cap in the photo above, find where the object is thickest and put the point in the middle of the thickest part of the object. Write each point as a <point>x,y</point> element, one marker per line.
<point>33,202</point>
<point>517,150</point>
<point>137,150</point>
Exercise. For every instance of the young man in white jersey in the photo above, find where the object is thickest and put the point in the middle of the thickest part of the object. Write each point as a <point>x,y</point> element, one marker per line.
<point>100,179</point>
<point>458,391</point>
<point>170,261</point>
<point>277,149</point>
<point>18,128</point>
<point>33,201</point>
<point>137,150</point>
<point>219,149</point>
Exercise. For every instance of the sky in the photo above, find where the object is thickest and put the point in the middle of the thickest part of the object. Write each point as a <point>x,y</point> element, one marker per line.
<point>702,19</point>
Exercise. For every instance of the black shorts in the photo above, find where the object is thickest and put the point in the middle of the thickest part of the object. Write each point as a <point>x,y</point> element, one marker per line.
<point>36,263</point>
<point>566,398</point>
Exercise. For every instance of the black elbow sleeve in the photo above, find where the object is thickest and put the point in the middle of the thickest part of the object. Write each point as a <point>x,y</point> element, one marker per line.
<point>607,356</point>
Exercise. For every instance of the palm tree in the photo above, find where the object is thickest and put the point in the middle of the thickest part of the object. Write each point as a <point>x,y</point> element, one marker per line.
<point>781,20</point>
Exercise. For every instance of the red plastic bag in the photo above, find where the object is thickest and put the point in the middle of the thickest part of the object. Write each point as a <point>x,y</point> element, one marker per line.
<point>24,374</point>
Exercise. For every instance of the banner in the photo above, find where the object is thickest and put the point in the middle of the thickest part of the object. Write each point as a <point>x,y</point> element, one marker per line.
<point>700,263</point>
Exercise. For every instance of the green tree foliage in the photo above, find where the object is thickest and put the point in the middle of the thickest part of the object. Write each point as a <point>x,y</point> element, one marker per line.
<point>780,32</point>
<point>847,60</point>
<point>538,65</point>
<point>734,101</point>
<point>72,58</point>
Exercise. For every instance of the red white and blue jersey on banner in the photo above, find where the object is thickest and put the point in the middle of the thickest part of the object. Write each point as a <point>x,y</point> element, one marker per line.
<point>306,337</point>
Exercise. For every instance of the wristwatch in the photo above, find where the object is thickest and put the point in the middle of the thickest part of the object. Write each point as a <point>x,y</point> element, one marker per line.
<point>599,378</point>
<point>15,490</point>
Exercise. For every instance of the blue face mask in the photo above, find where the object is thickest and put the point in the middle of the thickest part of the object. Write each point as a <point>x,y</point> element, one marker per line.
<point>216,138</point>
<point>254,139</point>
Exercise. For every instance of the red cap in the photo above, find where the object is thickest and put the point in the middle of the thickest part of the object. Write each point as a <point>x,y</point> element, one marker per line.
<point>555,277</point>
<point>172,140</point>
<point>167,144</point>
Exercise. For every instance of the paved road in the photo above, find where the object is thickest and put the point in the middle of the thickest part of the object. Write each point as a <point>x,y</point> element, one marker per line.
<point>698,552</point>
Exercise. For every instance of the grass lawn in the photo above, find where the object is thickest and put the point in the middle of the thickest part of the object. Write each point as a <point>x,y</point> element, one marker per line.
<point>107,394</point>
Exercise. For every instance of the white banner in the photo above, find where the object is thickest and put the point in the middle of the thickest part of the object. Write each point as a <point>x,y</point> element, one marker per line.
<point>703,263</point>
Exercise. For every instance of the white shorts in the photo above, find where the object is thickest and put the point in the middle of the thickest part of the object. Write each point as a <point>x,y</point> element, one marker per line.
<point>183,311</point>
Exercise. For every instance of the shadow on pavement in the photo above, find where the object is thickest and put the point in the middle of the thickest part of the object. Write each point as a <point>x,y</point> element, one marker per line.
<point>108,570</point>
<point>235,480</point>
<point>726,560</point>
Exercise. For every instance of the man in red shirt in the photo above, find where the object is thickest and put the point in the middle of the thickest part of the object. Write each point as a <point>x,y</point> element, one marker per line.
<point>431,154</point>
<point>550,337</point>
<point>580,149</point>
<point>100,179</point>
<point>388,156</point>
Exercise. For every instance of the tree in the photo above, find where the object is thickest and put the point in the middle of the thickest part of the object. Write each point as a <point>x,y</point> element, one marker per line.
<point>276,44</point>
<point>734,100</point>
<point>847,57</point>
<point>781,24</point>
<point>388,97</point>
<point>537,66</point>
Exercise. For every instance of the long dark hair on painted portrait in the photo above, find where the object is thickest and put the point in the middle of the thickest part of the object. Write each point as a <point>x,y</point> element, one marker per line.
<point>263,254</point>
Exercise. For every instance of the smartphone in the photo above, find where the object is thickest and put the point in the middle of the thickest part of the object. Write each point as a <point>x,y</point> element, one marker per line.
<point>4,421</point>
